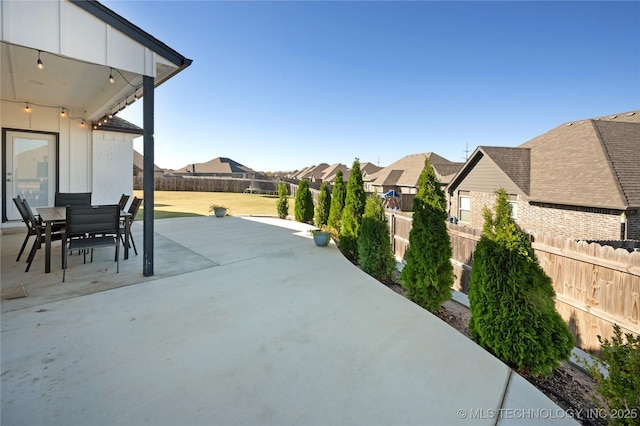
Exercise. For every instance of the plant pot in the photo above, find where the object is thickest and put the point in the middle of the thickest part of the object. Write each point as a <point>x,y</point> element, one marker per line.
<point>321,238</point>
<point>220,212</point>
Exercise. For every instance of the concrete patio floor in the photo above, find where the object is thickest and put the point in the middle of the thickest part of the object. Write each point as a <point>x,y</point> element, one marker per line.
<point>245,322</point>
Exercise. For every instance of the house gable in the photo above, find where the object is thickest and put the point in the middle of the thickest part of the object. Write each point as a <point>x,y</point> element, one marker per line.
<point>483,174</point>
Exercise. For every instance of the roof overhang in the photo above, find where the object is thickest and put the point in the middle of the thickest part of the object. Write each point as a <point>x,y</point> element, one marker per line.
<point>82,87</point>
<point>591,205</point>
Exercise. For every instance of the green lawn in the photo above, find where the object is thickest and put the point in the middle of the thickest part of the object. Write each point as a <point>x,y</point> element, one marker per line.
<point>169,204</point>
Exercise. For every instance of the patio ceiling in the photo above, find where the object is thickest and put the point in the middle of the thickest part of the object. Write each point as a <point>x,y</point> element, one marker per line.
<point>68,83</point>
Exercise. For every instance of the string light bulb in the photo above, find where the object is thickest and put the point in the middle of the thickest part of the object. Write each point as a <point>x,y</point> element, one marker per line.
<point>111,80</point>
<point>27,108</point>
<point>40,64</point>
<point>83,123</point>
<point>63,112</point>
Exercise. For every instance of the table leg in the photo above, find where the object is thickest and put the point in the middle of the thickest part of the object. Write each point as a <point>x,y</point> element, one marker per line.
<point>47,248</point>
<point>127,230</point>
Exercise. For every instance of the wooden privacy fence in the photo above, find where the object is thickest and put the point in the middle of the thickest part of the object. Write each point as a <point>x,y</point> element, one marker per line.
<point>399,228</point>
<point>198,184</point>
<point>596,286</point>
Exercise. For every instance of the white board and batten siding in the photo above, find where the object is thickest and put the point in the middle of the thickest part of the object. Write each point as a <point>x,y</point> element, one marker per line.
<point>65,29</point>
<point>89,161</point>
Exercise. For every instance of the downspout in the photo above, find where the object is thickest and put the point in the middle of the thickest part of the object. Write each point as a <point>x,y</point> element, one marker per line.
<point>147,180</point>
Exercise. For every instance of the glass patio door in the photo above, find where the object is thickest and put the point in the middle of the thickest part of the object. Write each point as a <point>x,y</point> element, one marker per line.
<point>31,169</point>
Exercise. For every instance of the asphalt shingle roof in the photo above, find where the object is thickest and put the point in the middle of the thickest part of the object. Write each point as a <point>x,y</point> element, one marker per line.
<point>622,145</point>
<point>576,163</point>
<point>220,165</point>
<point>590,163</point>
<point>315,172</point>
<point>329,174</point>
<point>117,124</point>
<point>515,162</point>
<point>406,171</point>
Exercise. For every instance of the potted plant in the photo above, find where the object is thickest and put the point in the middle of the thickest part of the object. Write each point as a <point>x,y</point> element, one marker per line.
<point>321,236</point>
<point>218,210</point>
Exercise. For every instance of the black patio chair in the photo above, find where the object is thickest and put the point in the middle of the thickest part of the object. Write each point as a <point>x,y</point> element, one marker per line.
<point>39,232</point>
<point>91,227</point>
<point>133,211</point>
<point>31,230</point>
<point>72,199</point>
<point>123,201</point>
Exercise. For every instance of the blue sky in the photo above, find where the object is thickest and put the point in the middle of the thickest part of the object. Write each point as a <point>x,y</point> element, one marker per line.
<point>284,85</point>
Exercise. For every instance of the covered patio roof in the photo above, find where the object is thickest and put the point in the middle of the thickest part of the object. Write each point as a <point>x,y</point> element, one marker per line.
<point>82,82</point>
<point>83,58</point>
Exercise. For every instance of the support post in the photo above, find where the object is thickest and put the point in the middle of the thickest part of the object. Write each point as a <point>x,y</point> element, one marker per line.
<point>147,183</point>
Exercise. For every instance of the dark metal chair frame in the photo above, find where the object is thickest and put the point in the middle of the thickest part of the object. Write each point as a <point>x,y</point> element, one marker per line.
<point>72,199</point>
<point>91,227</point>
<point>133,211</point>
<point>123,201</point>
<point>39,232</point>
<point>31,227</point>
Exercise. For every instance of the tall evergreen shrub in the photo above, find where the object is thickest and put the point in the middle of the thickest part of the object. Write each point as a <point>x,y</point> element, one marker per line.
<point>304,203</point>
<point>428,274</point>
<point>337,203</point>
<point>283,200</point>
<point>374,244</point>
<point>511,298</point>
<point>355,200</point>
<point>324,204</point>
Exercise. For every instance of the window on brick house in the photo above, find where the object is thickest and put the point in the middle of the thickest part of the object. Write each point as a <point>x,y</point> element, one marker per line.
<point>513,200</point>
<point>464,206</point>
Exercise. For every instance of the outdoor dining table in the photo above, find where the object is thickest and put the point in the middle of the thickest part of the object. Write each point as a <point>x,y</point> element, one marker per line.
<point>53,215</point>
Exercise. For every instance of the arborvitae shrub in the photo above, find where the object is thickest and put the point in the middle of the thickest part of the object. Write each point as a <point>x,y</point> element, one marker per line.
<point>283,200</point>
<point>511,298</point>
<point>324,204</point>
<point>620,387</point>
<point>304,203</point>
<point>428,274</point>
<point>337,203</point>
<point>374,244</point>
<point>355,200</point>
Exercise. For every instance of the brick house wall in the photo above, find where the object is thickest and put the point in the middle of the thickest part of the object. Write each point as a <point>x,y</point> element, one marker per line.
<point>479,200</point>
<point>633,225</point>
<point>562,221</point>
<point>574,223</point>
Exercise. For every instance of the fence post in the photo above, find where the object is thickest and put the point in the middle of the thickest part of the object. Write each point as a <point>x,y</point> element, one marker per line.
<point>393,233</point>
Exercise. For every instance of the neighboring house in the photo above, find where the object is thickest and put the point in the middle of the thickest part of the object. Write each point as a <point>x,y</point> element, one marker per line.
<point>575,181</point>
<point>327,173</point>
<point>313,173</point>
<point>138,166</point>
<point>296,175</point>
<point>218,167</point>
<point>402,175</point>
<point>330,172</point>
<point>94,63</point>
<point>366,169</point>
